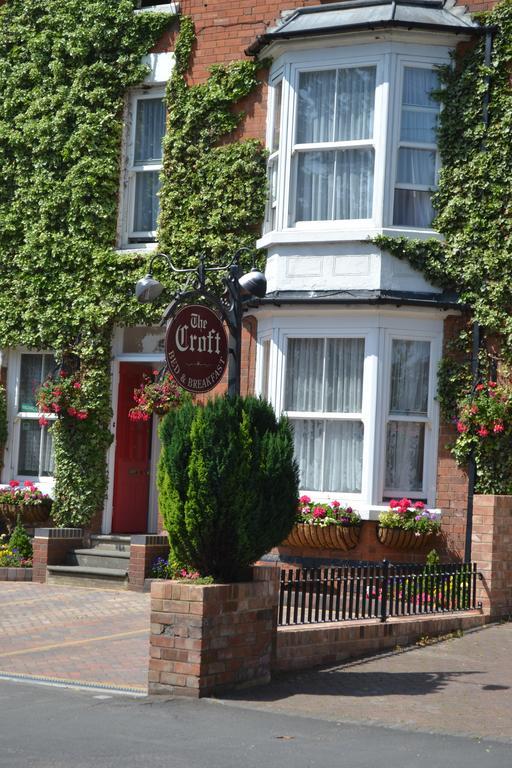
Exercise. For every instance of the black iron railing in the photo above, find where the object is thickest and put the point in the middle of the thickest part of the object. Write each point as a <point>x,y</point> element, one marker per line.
<point>375,591</point>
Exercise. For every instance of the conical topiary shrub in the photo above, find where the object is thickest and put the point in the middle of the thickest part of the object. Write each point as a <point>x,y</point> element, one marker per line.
<point>228,484</point>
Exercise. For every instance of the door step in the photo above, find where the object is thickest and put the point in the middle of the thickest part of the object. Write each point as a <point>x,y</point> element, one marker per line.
<point>111,542</point>
<point>82,576</point>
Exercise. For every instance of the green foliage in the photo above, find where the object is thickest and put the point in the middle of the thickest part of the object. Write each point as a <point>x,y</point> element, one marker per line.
<point>20,541</point>
<point>473,200</point>
<point>3,423</point>
<point>228,484</point>
<point>213,188</point>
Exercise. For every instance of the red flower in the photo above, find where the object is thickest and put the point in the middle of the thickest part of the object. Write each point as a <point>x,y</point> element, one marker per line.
<point>63,374</point>
<point>72,411</point>
<point>461,427</point>
<point>393,504</point>
<point>335,504</point>
<point>419,505</point>
<point>492,384</point>
<point>77,385</point>
<point>483,431</point>
<point>479,387</point>
<point>82,415</point>
<point>13,483</point>
<point>319,513</point>
<point>474,409</point>
<point>57,408</point>
<point>498,427</point>
<point>43,422</point>
<point>304,500</point>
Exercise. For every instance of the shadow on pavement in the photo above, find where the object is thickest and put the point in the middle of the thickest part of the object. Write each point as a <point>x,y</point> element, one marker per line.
<point>347,683</point>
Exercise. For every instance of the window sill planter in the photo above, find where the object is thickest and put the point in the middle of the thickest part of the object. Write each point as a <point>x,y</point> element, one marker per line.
<point>30,514</point>
<point>343,537</point>
<point>397,538</point>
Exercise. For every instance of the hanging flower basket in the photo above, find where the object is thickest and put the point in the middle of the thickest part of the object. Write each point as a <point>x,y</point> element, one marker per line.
<point>28,502</point>
<point>342,537</point>
<point>397,538</point>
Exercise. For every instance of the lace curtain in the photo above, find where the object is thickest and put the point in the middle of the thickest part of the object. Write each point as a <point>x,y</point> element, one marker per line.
<point>149,132</point>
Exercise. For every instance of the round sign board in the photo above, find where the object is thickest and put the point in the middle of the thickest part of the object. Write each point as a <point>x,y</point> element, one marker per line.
<point>196,348</point>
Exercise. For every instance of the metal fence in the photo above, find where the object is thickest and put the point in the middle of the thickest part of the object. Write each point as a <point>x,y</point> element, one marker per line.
<point>375,591</point>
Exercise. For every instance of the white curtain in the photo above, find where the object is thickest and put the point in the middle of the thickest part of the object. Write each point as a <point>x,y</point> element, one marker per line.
<point>149,131</point>
<point>410,363</point>
<point>404,455</point>
<point>329,452</point>
<point>413,208</point>
<point>147,185</point>
<point>335,105</point>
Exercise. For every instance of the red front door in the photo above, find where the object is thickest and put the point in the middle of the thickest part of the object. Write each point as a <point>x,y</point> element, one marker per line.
<point>132,457</point>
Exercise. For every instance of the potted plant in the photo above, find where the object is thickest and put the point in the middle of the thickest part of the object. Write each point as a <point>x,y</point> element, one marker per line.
<point>407,525</point>
<point>324,526</point>
<point>156,395</point>
<point>27,502</point>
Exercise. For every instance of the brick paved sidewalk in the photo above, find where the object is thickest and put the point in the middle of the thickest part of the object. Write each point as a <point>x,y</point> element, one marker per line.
<point>73,634</point>
<point>459,686</point>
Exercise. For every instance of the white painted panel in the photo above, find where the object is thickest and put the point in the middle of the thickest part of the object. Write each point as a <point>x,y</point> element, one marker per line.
<point>304,266</point>
<point>161,66</point>
<point>351,265</point>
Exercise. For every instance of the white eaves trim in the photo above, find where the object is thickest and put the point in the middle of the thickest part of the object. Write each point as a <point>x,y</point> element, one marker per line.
<point>170,8</point>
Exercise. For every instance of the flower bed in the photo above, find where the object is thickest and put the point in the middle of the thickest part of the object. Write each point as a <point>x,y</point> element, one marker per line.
<point>324,526</point>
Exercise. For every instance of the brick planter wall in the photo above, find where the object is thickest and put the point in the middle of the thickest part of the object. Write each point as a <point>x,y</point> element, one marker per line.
<point>15,574</point>
<point>311,646</point>
<point>144,549</point>
<point>205,638</point>
<point>51,546</point>
<point>492,551</point>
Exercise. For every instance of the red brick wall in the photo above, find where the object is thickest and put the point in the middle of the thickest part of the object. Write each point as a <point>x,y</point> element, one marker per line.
<point>492,550</point>
<point>50,547</point>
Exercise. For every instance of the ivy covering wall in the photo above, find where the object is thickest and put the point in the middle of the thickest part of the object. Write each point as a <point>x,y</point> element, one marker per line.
<point>65,67</point>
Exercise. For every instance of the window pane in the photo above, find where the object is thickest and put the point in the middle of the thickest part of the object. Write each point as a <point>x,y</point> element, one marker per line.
<point>265,384</point>
<point>419,127</point>
<point>315,176</point>
<point>147,185</point>
<point>413,208</point>
<point>344,375</point>
<point>47,459</point>
<point>315,108</point>
<point>276,129</point>
<point>404,456</point>
<point>416,166</point>
<point>343,460</point>
<point>30,441</point>
<point>149,131</point>
<point>410,363</point>
<point>308,438</point>
<point>354,184</point>
<point>30,379</point>
<point>304,375</point>
<point>355,97</point>
<point>418,85</point>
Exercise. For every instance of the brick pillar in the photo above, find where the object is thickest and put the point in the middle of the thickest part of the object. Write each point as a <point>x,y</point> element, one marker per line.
<point>144,549</point>
<point>492,551</point>
<point>51,546</point>
<point>205,638</point>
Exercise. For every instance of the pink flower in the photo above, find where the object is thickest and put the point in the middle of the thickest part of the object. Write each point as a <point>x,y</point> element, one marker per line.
<point>498,427</point>
<point>492,384</point>
<point>77,385</point>
<point>28,484</point>
<point>81,415</point>
<point>479,388</point>
<point>474,409</point>
<point>13,483</point>
<point>305,500</point>
<point>419,505</point>
<point>335,504</point>
<point>319,513</point>
<point>483,431</point>
<point>393,504</point>
<point>57,408</point>
<point>461,427</point>
<point>43,422</point>
<point>72,411</point>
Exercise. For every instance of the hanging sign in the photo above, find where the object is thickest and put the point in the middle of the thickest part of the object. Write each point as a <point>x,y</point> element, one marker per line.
<point>196,348</point>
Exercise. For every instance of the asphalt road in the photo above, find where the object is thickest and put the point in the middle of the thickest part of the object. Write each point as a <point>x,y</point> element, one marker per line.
<point>44,727</point>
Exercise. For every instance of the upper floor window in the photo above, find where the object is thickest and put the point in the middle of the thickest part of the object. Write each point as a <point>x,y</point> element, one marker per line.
<point>353,143</point>
<point>333,148</point>
<point>144,164</point>
<point>417,162</point>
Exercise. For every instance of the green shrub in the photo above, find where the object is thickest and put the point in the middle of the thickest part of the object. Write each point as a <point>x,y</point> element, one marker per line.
<point>20,541</point>
<point>228,484</point>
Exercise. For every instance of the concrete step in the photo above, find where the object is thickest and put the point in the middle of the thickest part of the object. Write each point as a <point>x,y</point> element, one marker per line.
<point>92,578</point>
<point>111,542</point>
<point>99,557</point>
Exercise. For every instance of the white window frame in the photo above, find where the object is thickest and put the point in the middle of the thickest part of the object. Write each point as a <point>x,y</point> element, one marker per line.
<point>131,238</point>
<point>401,143</point>
<point>378,328</point>
<point>273,177</point>
<point>390,56</point>
<point>15,419</point>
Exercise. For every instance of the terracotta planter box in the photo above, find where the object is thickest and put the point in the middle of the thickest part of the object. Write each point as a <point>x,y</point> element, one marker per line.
<point>31,514</point>
<point>396,538</point>
<point>343,537</point>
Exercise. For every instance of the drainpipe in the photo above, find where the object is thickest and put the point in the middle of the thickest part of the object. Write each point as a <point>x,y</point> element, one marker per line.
<point>475,368</point>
